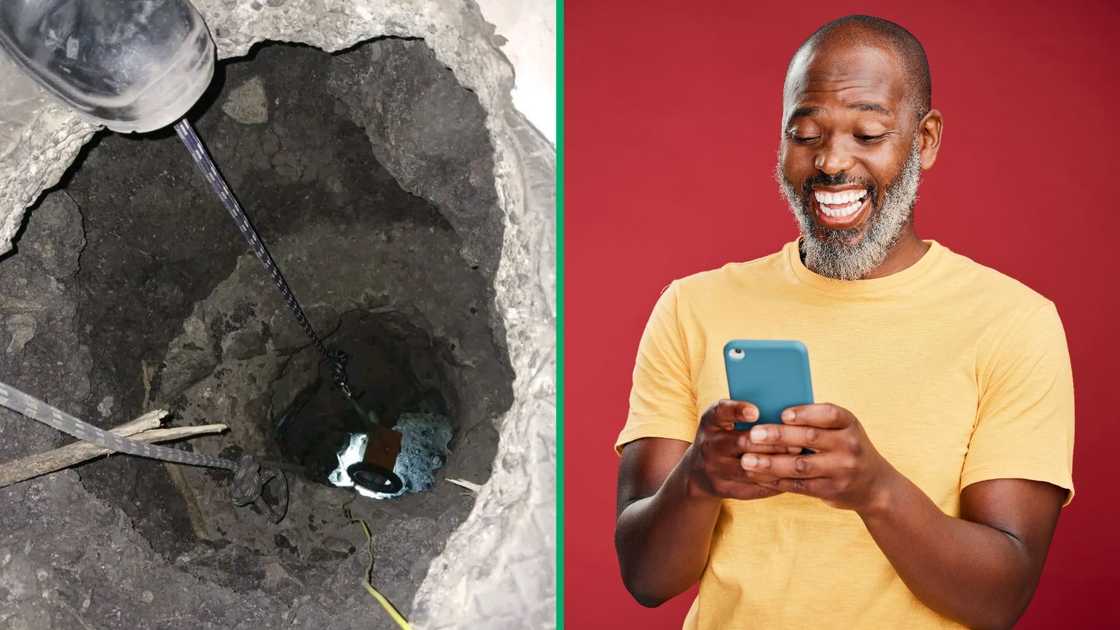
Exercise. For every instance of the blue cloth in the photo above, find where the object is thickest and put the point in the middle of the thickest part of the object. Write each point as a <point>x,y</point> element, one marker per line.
<point>423,449</point>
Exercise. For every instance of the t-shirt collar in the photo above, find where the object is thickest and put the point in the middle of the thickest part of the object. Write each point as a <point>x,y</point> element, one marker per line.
<point>898,282</point>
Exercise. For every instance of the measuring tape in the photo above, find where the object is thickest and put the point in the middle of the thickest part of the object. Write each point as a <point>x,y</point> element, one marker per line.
<point>249,476</point>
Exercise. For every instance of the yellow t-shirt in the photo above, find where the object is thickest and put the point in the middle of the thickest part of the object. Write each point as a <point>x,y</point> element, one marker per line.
<point>958,373</point>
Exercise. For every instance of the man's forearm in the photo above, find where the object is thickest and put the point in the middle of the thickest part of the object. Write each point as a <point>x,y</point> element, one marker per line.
<point>663,540</point>
<point>969,572</point>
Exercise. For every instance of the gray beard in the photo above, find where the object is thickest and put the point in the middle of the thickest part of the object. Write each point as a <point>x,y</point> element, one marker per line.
<point>833,254</point>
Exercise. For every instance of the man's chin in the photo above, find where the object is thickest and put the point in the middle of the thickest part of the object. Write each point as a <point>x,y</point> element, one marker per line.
<point>831,237</point>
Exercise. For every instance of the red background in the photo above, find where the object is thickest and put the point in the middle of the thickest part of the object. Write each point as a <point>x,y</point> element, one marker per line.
<point>672,121</point>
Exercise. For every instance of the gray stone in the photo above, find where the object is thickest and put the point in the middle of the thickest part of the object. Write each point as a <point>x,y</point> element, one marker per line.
<point>192,356</point>
<point>105,407</point>
<point>39,138</point>
<point>248,103</point>
<point>427,150</point>
<point>244,343</point>
<point>21,326</point>
<point>43,356</point>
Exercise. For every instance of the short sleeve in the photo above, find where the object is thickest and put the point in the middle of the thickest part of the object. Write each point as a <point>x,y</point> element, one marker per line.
<point>662,397</point>
<point>1025,417</point>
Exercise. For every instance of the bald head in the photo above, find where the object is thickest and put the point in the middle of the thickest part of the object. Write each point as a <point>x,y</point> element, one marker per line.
<point>857,129</point>
<point>865,30</point>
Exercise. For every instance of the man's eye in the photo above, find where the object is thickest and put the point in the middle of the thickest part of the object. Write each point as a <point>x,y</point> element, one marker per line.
<point>866,138</point>
<point>802,139</point>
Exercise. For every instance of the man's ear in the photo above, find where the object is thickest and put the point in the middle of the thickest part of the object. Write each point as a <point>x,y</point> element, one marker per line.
<point>930,129</point>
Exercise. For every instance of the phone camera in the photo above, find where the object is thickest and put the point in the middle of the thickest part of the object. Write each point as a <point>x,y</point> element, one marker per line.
<point>736,354</point>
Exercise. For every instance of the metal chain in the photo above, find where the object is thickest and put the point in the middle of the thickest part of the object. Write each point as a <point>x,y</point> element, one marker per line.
<point>206,166</point>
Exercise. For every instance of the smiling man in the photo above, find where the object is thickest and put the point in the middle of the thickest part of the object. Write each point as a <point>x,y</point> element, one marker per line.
<point>942,452</point>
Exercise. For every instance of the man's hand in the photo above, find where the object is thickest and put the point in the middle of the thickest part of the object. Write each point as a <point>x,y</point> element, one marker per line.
<point>714,461</point>
<point>845,470</point>
<point>670,496</point>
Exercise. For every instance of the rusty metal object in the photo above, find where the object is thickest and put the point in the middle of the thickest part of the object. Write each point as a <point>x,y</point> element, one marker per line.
<point>383,447</point>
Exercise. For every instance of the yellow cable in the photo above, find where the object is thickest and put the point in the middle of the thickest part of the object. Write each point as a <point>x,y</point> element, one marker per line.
<point>381,599</point>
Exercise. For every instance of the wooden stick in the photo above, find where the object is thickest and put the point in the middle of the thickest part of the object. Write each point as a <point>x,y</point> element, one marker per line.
<point>173,433</point>
<point>142,429</point>
<point>150,420</point>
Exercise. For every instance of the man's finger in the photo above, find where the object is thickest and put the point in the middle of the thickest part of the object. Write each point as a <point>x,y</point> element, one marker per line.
<point>747,446</point>
<point>770,449</point>
<point>724,443</point>
<point>820,415</point>
<point>725,413</point>
<point>817,487</point>
<point>750,491</point>
<point>791,466</point>
<point>785,435</point>
<point>732,471</point>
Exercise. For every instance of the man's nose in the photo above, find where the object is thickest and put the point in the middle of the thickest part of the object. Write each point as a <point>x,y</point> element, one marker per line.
<point>833,158</point>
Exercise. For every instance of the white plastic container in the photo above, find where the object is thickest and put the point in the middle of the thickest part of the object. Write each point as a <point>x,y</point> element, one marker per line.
<point>131,65</point>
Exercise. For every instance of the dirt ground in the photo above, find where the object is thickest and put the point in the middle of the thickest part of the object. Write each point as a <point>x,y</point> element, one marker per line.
<point>165,307</point>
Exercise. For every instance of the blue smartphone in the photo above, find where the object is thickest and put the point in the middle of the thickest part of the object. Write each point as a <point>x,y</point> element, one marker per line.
<point>771,374</point>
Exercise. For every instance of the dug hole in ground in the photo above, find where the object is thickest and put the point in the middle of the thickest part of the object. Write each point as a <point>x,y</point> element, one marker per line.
<point>411,209</point>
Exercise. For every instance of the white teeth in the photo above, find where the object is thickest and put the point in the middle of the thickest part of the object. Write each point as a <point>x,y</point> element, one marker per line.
<point>839,204</point>
<point>835,198</point>
<point>842,211</point>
